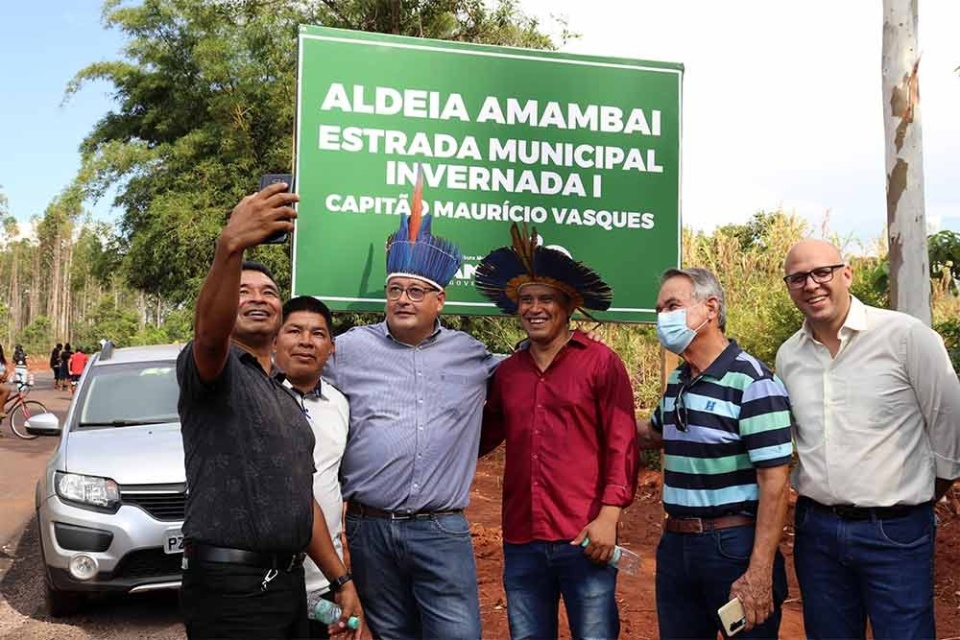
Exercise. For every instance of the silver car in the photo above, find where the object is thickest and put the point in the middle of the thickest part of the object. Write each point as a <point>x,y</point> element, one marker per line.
<point>111,500</point>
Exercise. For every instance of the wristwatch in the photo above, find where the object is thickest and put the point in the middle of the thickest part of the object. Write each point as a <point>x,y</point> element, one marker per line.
<point>337,583</point>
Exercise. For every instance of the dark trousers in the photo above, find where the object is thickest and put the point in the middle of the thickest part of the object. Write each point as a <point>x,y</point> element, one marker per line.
<point>694,574</point>
<point>230,601</point>
<point>850,570</point>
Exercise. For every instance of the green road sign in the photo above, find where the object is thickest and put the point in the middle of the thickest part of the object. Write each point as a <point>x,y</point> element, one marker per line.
<point>586,149</point>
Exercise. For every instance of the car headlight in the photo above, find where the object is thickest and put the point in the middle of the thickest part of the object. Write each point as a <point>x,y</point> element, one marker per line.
<point>103,493</point>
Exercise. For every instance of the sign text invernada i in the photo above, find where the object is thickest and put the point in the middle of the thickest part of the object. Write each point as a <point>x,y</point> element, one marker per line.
<point>585,149</point>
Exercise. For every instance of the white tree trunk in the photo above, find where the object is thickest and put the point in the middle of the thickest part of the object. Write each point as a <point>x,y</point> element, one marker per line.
<point>906,222</point>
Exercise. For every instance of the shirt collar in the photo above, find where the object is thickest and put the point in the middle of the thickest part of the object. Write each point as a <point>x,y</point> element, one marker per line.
<point>720,365</point>
<point>248,358</point>
<point>385,332</point>
<point>856,320</point>
<point>316,392</point>
<point>577,338</point>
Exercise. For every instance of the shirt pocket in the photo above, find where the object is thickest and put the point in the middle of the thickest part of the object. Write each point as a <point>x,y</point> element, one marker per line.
<point>453,392</point>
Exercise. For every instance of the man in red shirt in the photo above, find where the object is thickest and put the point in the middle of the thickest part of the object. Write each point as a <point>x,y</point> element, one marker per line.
<point>77,363</point>
<point>564,405</point>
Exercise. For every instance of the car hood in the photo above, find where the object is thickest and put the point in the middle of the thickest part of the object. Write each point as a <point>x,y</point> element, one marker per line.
<point>149,454</point>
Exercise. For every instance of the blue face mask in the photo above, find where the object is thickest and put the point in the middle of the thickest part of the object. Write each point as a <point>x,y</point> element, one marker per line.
<point>673,332</point>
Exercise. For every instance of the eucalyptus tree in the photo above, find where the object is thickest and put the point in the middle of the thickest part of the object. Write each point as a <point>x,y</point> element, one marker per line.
<point>906,221</point>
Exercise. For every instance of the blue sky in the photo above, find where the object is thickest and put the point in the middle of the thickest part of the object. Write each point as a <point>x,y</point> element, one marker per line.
<point>782,101</point>
<point>43,44</point>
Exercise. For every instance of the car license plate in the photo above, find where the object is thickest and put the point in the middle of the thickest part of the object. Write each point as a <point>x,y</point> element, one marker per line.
<point>173,541</point>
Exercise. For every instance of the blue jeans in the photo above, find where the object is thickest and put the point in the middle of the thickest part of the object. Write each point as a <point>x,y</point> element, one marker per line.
<point>851,569</point>
<point>416,578</point>
<point>694,574</point>
<point>536,574</point>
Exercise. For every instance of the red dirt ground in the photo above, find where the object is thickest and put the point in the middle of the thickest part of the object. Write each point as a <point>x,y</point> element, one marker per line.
<point>641,531</point>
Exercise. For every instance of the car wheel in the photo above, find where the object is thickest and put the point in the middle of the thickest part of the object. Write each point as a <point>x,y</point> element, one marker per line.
<point>59,603</point>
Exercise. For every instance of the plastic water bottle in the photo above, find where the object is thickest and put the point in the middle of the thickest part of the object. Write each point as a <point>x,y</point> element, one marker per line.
<point>622,559</point>
<point>322,610</point>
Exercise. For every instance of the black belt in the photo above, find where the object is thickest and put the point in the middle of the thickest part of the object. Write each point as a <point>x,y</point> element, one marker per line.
<point>706,525</point>
<point>850,512</point>
<point>363,511</point>
<point>208,553</point>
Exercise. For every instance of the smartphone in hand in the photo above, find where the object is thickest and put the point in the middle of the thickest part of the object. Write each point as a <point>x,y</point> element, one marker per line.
<point>733,617</point>
<point>267,180</point>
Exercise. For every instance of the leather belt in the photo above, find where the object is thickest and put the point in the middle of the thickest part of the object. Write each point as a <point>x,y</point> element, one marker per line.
<point>363,511</point>
<point>209,553</point>
<point>705,525</point>
<point>850,512</point>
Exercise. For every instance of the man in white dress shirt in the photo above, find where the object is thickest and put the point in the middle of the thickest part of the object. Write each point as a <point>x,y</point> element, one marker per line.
<point>304,343</point>
<point>877,412</point>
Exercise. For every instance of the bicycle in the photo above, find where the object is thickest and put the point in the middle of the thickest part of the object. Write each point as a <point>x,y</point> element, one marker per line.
<point>19,409</point>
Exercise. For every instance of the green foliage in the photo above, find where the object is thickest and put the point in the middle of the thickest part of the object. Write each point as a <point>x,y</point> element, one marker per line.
<point>871,281</point>
<point>206,93</point>
<point>944,248</point>
<point>178,325</point>
<point>37,337</point>
<point>110,322</point>
<point>949,330</point>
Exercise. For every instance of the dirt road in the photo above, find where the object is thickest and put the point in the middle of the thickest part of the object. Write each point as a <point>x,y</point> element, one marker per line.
<point>22,608</point>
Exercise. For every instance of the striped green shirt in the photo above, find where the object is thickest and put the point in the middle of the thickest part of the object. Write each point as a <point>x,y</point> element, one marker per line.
<point>717,429</point>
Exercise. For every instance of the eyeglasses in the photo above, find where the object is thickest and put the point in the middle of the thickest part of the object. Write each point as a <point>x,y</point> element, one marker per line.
<point>680,410</point>
<point>820,275</point>
<point>414,293</point>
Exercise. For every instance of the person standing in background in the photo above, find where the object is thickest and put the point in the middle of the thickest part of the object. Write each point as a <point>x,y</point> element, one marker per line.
<point>65,367</point>
<point>55,364</point>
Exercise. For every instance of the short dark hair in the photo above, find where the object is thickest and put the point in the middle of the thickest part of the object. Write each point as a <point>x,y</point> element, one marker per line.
<point>310,304</point>
<point>253,265</point>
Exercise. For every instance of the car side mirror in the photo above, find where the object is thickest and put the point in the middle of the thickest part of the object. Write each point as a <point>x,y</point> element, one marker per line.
<point>44,424</point>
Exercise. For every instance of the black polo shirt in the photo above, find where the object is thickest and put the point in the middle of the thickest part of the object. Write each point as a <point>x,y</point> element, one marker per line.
<point>249,457</point>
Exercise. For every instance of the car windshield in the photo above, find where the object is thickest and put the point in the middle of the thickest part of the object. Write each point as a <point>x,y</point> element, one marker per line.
<point>129,394</point>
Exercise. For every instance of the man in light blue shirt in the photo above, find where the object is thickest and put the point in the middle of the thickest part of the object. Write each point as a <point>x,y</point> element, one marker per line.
<point>416,393</point>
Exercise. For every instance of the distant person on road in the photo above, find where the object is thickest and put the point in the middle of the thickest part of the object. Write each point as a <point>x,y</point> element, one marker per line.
<point>55,364</point>
<point>301,350</point>
<point>5,389</point>
<point>78,361</point>
<point>20,365</point>
<point>724,426</point>
<point>877,406</point>
<point>65,366</point>
<point>248,452</point>
<point>564,404</point>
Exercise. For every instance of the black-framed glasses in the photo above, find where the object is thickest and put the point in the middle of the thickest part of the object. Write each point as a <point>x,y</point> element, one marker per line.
<point>820,275</point>
<point>415,294</point>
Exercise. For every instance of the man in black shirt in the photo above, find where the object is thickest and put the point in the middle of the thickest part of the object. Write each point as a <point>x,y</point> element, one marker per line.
<point>248,451</point>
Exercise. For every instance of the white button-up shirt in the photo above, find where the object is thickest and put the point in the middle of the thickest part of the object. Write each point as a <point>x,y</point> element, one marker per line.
<point>329,417</point>
<point>876,424</point>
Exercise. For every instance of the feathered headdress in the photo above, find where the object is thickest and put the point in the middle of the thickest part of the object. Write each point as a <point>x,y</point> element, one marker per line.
<point>504,271</point>
<point>414,252</point>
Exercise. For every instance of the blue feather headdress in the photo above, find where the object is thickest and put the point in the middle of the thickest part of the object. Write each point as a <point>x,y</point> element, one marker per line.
<point>503,272</point>
<point>414,252</point>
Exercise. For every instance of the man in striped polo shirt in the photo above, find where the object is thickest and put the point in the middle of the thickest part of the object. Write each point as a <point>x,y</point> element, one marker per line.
<point>724,425</point>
